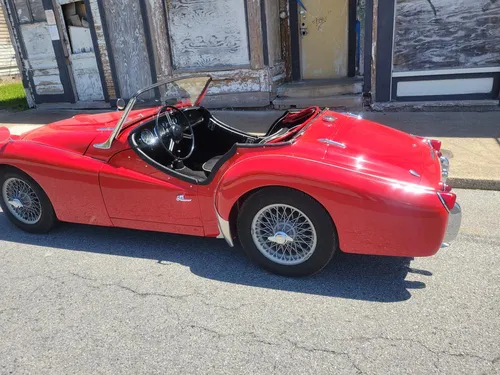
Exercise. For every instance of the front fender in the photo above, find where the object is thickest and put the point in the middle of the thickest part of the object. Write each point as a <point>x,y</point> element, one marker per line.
<point>4,135</point>
<point>373,215</point>
<point>70,180</point>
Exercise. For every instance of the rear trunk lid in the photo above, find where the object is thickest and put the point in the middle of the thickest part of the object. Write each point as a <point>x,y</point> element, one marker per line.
<point>379,150</point>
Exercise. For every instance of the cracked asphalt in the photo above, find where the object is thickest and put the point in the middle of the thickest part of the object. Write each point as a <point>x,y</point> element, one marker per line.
<point>88,300</point>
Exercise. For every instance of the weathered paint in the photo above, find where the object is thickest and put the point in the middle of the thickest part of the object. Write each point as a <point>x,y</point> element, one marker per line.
<point>31,11</point>
<point>324,48</point>
<point>81,41</point>
<point>285,38</point>
<point>128,43</point>
<point>241,80</point>
<point>193,47</point>
<point>128,65</point>
<point>101,42</point>
<point>158,30</point>
<point>86,76</point>
<point>80,50</point>
<point>273,32</point>
<point>255,34</point>
<point>41,58</point>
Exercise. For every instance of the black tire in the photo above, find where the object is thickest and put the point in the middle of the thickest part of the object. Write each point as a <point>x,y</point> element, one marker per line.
<point>48,217</point>
<point>326,234</point>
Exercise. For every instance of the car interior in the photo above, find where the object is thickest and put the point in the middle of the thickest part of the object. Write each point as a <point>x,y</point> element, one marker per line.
<point>206,142</point>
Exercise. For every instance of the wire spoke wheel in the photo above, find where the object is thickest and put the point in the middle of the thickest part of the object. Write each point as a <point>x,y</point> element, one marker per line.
<point>284,234</point>
<point>22,201</point>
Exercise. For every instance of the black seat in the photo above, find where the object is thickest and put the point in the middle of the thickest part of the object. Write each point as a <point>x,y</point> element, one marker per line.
<point>210,164</point>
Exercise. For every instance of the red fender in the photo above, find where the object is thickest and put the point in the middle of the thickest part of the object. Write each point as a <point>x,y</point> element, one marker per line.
<point>372,215</point>
<point>70,180</point>
<point>4,135</point>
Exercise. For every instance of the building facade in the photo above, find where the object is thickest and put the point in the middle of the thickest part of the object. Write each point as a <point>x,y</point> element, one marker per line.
<point>289,53</point>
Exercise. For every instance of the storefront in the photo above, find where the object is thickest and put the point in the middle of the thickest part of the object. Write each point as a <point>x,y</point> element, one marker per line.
<point>96,51</point>
<point>328,53</point>
<point>442,50</point>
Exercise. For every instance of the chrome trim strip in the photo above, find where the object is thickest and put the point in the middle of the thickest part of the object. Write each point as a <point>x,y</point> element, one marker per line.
<point>433,152</point>
<point>225,229</point>
<point>414,173</point>
<point>107,144</point>
<point>443,202</point>
<point>182,198</point>
<point>330,142</point>
<point>350,114</point>
<point>305,127</point>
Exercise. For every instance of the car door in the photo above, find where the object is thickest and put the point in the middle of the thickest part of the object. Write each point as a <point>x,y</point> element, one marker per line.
<point>141,197</point>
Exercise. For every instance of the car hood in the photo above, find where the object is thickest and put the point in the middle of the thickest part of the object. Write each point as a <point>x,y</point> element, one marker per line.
<point>371,148</point>
<point>74,134</point>
<point>78,132</point>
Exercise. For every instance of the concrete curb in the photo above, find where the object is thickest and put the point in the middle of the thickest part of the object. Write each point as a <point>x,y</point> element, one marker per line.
<point>474,183</point>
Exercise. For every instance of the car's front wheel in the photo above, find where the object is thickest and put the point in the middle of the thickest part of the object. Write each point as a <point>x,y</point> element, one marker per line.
<point>286,232</point>
<point>25,203</point>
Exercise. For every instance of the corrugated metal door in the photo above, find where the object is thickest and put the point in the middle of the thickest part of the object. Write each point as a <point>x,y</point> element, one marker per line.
<point>8,63</point>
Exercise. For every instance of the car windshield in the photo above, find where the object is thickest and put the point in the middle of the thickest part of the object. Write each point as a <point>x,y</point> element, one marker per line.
<point>182,92</point>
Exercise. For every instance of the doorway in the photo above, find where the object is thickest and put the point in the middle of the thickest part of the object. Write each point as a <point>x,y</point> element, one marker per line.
<point>323,39</point>
<point>80,50</point>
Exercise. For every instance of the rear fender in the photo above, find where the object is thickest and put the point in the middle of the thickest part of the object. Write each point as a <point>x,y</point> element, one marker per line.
<point>70,180</point>
<point>373,215</point>
<point>264,171</point>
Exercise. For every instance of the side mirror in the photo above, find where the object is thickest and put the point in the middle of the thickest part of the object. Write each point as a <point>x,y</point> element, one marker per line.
<point>4,135</point>
<point>120,104</point>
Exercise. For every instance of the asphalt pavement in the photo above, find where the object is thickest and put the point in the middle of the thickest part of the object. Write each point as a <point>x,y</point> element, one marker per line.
<point>89,300</point>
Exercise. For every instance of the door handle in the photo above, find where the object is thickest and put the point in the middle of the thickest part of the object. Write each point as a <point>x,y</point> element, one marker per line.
<point>182,198</point>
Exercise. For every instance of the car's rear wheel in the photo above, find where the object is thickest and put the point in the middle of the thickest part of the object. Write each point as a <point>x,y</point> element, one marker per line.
<point>286,232</point>
<point>25,203</point>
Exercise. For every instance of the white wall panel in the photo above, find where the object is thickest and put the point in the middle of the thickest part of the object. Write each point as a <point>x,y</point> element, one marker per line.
<point>445,87</point>
<point>208,33</point>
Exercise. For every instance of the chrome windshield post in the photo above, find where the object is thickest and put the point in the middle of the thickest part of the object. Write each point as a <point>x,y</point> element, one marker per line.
<point>107,144</point>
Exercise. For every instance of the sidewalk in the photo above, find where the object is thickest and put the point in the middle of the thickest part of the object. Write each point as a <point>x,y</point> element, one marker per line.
<point>471,140</point>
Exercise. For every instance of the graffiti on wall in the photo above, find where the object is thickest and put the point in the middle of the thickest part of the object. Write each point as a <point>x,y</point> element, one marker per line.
<point>208,33</point>
<point>446,34</point>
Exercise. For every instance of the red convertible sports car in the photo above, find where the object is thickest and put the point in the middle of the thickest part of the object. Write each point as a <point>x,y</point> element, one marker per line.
<point>316,182</point>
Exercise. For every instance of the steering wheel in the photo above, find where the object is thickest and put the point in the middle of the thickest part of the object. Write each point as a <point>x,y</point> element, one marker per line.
<point>172,132</point>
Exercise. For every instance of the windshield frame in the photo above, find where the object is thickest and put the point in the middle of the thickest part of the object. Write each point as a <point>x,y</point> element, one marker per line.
<point>107,144</point>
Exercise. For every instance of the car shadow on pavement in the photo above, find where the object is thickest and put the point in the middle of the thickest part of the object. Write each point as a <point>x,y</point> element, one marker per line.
<point>359,277</point>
